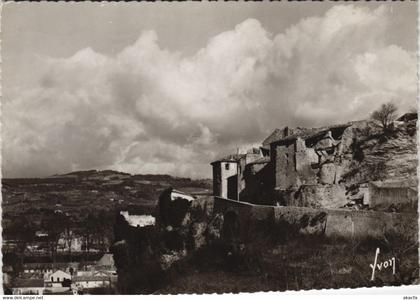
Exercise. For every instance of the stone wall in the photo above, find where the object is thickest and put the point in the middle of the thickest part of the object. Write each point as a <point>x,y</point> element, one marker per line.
<point>393,198</point>
<point>285,166</point>
<point>319,196</point>
<point>217,179</point>
<point>305,159</point>
<point>333,223</point>
<point>259,184</point>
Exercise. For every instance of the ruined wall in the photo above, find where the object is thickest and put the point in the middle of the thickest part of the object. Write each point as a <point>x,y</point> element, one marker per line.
<point>318,196</point>
<point>285,166</point>
<point>295,165</point>
<point>305,158</point>
<point>334,223</point>
<point>393,199</point>
<point>146,257</point>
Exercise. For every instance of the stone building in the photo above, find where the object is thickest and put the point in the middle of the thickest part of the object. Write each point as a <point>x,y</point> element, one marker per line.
<point>311,167</point>
<point>308,157</point>
<point>228,173</point>
<point>290,162</point>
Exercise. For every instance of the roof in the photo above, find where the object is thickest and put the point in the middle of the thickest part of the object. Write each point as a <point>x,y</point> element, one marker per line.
<point>41,265</point>
<point>178,194</point>
<point>60,273</point>
<point>307,133</point>
<point>408,116</point>
<point>138,220</point>
<point>230,158</point>
<point>106,260</point>
<point>29,283</point>
<point>90,278</point>
<point>279,134</point>
<point>274,136</point>
<point>262,160</point>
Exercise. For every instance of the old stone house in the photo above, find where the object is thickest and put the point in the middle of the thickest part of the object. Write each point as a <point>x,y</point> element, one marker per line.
<point>287,160</point>
<point>307,167</point>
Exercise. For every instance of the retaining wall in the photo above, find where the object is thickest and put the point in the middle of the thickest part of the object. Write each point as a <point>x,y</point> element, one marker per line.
<point>342,223</point>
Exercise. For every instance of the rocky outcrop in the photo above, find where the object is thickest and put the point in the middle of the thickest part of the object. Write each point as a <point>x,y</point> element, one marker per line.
<point>368,155</point>
<point>362,154</point>
<point>147,256</point>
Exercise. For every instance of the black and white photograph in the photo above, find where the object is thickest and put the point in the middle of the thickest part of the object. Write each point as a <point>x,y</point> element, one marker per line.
<point>208,147</point>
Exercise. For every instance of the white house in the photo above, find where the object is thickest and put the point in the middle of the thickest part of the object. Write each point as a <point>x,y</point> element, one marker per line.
<point>138,220</point>
<point>57,278</point>
<point>95,281</point>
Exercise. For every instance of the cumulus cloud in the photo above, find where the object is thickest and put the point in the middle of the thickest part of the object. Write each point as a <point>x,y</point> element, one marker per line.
<point>151,110</point>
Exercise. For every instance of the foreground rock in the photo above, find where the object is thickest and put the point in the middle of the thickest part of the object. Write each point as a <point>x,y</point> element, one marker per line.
<point>147,256</point>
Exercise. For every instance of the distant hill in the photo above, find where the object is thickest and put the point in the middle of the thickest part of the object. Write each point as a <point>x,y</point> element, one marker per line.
<point>79,193</point>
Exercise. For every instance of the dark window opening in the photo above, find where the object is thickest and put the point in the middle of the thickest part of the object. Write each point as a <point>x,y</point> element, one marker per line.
<point>227,165</point>
<point>337,133</point>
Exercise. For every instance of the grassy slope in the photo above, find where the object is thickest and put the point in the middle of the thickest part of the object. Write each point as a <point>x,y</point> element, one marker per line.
<point>293,265</point>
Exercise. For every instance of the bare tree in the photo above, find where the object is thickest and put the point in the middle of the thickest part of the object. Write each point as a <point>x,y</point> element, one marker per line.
<point>385,115</point>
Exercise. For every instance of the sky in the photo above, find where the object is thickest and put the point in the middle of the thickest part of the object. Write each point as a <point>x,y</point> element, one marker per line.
<point>166,88</point>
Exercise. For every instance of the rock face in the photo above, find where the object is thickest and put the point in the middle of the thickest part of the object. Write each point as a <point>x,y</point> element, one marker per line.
<point>369,156</point>
<point>146,256</point>
<point>333,172</point>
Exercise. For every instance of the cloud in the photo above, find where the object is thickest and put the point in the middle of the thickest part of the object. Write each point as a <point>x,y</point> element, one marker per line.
<point>151,110</point>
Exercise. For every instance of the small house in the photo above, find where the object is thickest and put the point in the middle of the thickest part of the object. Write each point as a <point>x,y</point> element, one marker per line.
<point>58,278</point>
<point>32,286</point>
<point>93,281</point>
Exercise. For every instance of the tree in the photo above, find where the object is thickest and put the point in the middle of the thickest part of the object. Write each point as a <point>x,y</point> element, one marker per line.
<point>24,233</point>
<point>385,115</point>
<point>91,229</point>
<point>54,224</point>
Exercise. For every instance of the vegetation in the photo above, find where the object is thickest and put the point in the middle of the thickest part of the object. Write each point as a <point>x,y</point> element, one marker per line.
<point>386,115</point>
<point>293,265</point>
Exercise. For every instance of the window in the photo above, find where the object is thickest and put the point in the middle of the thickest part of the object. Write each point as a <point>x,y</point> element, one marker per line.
<point>227,166</point>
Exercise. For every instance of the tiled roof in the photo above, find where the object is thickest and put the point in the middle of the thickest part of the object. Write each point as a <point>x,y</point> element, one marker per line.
<point>33,282</point>
<point>90,278</point>
<point>45,266</point>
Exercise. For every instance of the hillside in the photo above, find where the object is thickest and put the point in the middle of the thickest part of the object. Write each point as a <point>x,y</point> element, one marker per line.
<point>79,193</point>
